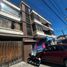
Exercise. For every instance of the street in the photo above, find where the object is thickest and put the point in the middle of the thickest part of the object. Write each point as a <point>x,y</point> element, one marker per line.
<point>50,65</point>
<point>23,64</point>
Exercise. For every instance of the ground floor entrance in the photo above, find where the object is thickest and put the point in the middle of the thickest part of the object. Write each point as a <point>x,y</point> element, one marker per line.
<point>27,50</point>
<point>10,50</point>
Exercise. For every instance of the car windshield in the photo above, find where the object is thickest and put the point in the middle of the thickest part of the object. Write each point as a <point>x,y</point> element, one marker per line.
<point>62,41</point>
<point>44,50</point>
<point>65,47</point>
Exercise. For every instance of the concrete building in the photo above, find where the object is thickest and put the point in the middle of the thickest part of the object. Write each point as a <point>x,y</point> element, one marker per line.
<point>20,30</point>
<point>10,33</point>
<point>35,27</point>
<point>41,27</point>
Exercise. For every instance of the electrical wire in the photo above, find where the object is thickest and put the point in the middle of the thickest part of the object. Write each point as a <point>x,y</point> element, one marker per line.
<point>54,12</point>
<point>57,8</point>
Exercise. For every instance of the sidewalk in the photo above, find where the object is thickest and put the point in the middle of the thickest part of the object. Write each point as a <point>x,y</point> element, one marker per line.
<point>22,64</point>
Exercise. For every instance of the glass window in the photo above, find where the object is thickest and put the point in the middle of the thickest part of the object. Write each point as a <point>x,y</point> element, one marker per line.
<point>18,26</point>
<point>34,27</point>
<point>27,18</point>
<point>65,47</point>
<point>39,27</point>
<point>64,41</point>
<point>5,23</point>
<point>29,31</point>
<point>8,9</point>
<point>8,24</point>
<point>26,9</point>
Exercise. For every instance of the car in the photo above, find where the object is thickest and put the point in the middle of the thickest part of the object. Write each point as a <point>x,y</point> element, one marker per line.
<point>54,54</point>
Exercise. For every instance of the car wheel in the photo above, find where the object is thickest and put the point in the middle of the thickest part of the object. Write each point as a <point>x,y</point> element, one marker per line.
<point>65,63</point>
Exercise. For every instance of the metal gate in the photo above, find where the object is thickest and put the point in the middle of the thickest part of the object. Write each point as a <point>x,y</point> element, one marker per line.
<point>10,52</point>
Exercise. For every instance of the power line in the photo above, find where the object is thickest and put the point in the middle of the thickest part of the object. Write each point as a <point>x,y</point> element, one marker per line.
<point>54,12</point>
<point>57,8</point>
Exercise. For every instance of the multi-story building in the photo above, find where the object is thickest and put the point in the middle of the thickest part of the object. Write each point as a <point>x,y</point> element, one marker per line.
<point>42,30</point>
<point>34,26</point>
<point>41,27</point>
<point>10,33</point>
<point>18,28</point>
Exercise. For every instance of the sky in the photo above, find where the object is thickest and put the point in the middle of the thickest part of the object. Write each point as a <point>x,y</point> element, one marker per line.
<point>53,10</point>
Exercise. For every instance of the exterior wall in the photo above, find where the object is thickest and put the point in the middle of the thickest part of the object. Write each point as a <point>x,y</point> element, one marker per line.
<point>27,29</point>
<point>11,41</point>
<point>42,25</point>
<point>23,20</point>
<point>27,50</point>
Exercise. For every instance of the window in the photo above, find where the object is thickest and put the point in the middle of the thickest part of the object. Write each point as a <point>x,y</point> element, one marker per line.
<point>27,10</point>
<point>65,47</point>
<point>18,26</point>
<point>34,27</point>
<point>48,32</point>
<point>8,24</point>
<point>12,25</point>
<point>5,23</point>
<point>39,27</point>
<point>8,9</point>
<point>50,48</point>
<point>29,31</point>
<point>64,41</point>
<point>27,18</point>
<point>32,16</point>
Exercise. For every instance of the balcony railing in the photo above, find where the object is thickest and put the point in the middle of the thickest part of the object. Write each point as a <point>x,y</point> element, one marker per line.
<point>8,24</point>
<point>7,9</point>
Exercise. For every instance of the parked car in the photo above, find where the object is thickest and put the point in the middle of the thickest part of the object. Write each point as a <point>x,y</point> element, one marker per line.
<point>54,54</point>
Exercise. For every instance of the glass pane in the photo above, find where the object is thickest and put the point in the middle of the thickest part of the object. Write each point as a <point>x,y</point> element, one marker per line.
<point>6,8</point>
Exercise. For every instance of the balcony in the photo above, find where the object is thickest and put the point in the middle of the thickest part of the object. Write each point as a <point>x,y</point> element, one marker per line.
<point>9,10</point>
<point>45,27</point>
<point>39,17</point>
<point>38,34</point>
<point>10,27</point>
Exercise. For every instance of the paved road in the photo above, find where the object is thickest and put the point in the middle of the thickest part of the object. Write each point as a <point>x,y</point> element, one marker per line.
<point>23,64</point>
<point>50,65</point>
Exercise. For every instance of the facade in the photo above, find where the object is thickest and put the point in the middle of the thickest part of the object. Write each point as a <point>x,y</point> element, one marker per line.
<point>35,27</point>
<point>10,33</point>
<point>42,31</point>
<point>18,29</point>
<point>41,27</point>
<point>27,29</point>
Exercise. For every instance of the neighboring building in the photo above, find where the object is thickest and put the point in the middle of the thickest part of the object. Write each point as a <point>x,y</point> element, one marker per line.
<point>35,27</point>
<point>41,27</point>
<point>10,33</point>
